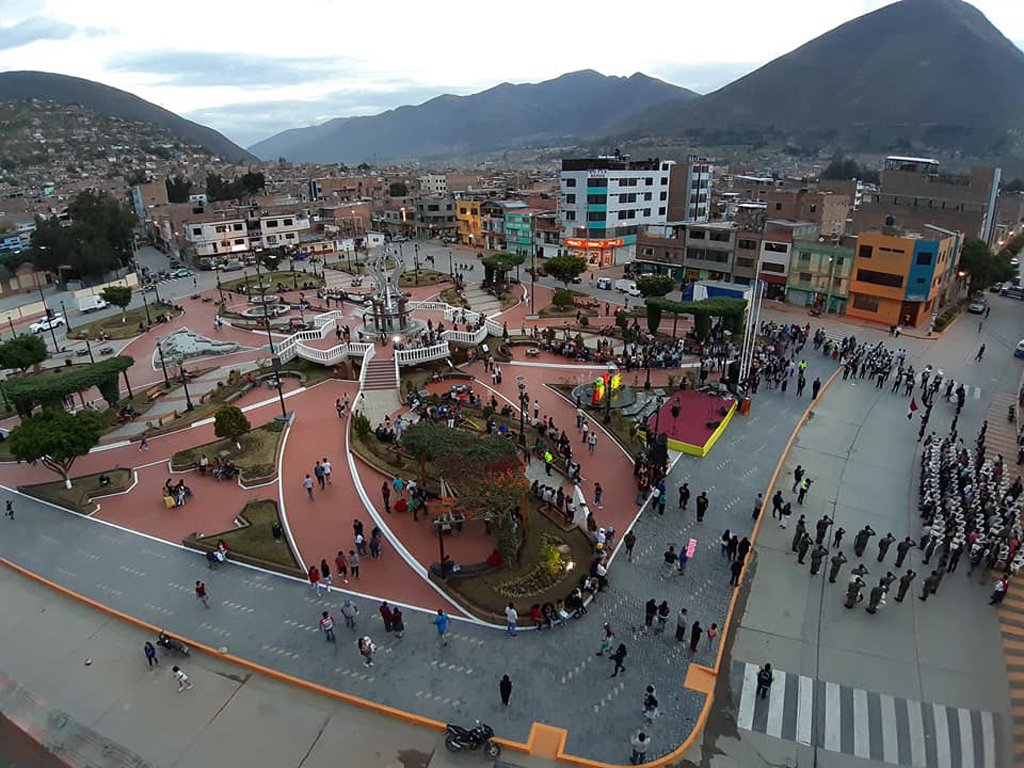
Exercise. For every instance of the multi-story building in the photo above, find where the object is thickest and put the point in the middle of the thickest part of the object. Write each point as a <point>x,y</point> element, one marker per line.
<point>468,221</point>
<point>435,216</point>
<point>688,251</point>
<point>606,201</point>
<point>274,230</point>
<point>218,233</point>
<point>903,278</point>
<point>829,211</point>
<point>696,189</point>
<point>1009,217</point>
<point>148,195</point>
<point>547,234</point>
<point>819,276</point>
<point>914,193</point>
<point>433,185</point>
<point>747,253</point>
<point>519,230</point>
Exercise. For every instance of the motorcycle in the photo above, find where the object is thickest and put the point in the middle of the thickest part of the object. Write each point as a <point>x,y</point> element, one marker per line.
<point>172,645</point>
<point>459,739</point>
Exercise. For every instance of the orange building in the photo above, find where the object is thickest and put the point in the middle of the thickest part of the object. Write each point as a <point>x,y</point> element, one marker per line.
<point>469,221</point>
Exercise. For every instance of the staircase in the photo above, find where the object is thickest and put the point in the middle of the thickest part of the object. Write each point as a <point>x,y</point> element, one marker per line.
<point>380,373</point>
<point>481,301</point>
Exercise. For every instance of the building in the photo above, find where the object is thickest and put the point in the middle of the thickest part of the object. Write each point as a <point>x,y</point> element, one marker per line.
<point>914,193</point>
<point>519,230</point>
<point>433,185</point>
<point>688,250</point>
<point>604,202</point>
<point>468,221</point>
<point>218,233</point>
<point>149,195</point>
<point>819,276</point>
<point>1009,218</point>
<point>696,190</point>
<point>903,278</point>
<point>829,211</point>
<point>434,216</point>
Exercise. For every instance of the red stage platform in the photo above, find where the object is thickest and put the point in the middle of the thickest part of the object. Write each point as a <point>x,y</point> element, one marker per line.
<point>698,423</point>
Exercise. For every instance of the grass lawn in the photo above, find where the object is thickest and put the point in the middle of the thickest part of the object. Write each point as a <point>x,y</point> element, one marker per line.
<point>115,329</point>
<point>426,277</point>
<point>254,541</point>
<point>257,459</point>
<point>487,594</point>
<point>285,277</point>
<point>83,489</point>
<point>453,297</point>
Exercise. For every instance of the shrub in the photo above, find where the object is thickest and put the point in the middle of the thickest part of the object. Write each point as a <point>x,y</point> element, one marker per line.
<point>562,298</point>
<point>360,424</point>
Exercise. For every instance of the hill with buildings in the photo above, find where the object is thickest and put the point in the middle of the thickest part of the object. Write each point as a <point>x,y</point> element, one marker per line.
<point>115,103</point>
<point>578,105</point>
<point>917,73</point>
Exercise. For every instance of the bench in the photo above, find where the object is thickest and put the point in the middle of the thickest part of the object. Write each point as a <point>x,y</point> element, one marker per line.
<point>235,395</point>
<point>156,392</point>
<point>475,569</point>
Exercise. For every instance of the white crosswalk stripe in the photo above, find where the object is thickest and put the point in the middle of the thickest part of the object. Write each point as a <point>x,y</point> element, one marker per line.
<point>865,724</point>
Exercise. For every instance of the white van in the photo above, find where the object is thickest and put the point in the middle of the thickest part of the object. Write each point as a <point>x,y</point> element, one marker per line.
<point>91,303</point>
<point>604,283</point>
<point>628,287</point>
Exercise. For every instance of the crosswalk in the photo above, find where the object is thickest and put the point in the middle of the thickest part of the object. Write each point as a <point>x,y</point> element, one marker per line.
<point>872,726</point>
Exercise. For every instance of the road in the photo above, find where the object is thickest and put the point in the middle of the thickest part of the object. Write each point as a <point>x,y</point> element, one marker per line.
<point>919,683</point>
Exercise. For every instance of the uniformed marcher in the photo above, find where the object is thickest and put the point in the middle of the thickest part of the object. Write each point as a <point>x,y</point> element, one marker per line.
<point>906,580</point>
<point>902,549</point>
<point>817,555</point>
<point>884,544</point>
<point>860,541</point>
<point>837,562</point>
<point>821,528</point>
<point>930,585</point>
<point>875,597</point>
<point>802,547</point>
<point>801,529</point>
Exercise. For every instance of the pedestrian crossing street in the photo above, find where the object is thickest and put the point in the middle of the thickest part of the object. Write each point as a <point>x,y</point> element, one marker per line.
<point>873,726</point>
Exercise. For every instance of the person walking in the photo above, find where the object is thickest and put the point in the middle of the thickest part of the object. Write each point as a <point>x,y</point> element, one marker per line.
<point>684,496</point>
<point>617,658</point>
<point>981,354</point>
<point>353,564</point>
<point>314,579</point>
<point>307,483</point>
<point>201,594</point>
<point>505,689</point>
<point>670,558</point>
<point>441,623</point>
<point>607,639</point>
<point>765,677</point>
<point>325,575</point>
<point>630,541</point>
<point>341,566</point>
<point>591,442</point>
<point>815,388</point>
<point>387,615</point>
<point>144,444</point>
<point>598,496</point>
<point>902,549</point>
<point>777,502</point>
<point>151,658</point>
<point>742,549</point>
<point>712,634</point>
<point>883,545</point>
<point>681,625</point>
<point>650,611</point>
<point>366,650</point>
<point>181,679</point>
<point>735,569</point>
<point>640,742</point>
<point>318,473</point>
<point>328,469</point>
<point>798,475</point>
<point>837,562</point>
<point>9,509</point>
<point>349,612</point>
<point>511,619</point>
<point>650,710</point>
<point>397,622</point>
<point>702,506</point>
<point>695,632</point>
<point>327,626</point>
<point>385,492</point>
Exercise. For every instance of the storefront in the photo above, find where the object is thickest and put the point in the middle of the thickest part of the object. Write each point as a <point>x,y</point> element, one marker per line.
<point>598,253</point>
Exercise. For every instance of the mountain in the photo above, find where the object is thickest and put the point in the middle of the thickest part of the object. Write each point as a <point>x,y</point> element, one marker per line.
<point>926,72</point>
<point>17,86</point>
<point>576,105</point>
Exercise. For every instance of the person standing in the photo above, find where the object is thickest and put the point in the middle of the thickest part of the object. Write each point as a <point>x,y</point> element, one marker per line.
<point>353,564</point>
<point>591,442</point>
<point>764,681</point>
<point>327,626</point>
<point>712,633</point>
<point>695,632</point>
<point>325,575</point>
<point>860,541</point>
<point>681,625</point>
<point>511,619</point>
<point>598,494</point>
<point>9,509</point>
<point>821,529</point>
<point>758,503</point>
<point>640,743</point>
<point>837,562</point>
<point>366,650</point>
<point>702,506</point>
<point>314,579</point>
<point>385,492</point>
<point>802,547</point>
<point>630,541</point>
<point>777,502</point>
<point>328,469</point>
<point>663,614</point>
<point>617,658</point>
<point>815,388</point>
<point>735,569</point>
<point>387,615</point>
<point>902,549</point>
<point>397,622</point>
<point>441,622</point>
<point>805,486</point>
<point>505,689</point>
<point>799,532</point>
<point>341,566</point>
<point>151,658</point>
<point>307,483</point>
<point>798,475</point>
<point>201,594</point>
<point>684,496</point>
<point>650,611</point>
<point>883,545</point>
<point>930,585</point>
<point>817,555</point>
<point>906,580</point>
<point>837,537</point>
<point>181,679</point>
<point>349,612</point>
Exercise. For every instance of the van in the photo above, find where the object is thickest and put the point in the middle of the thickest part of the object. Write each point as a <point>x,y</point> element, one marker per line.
<point>91,303</point>
<point>628,287</point>
<point>232,265</point>
<point>604,283</point>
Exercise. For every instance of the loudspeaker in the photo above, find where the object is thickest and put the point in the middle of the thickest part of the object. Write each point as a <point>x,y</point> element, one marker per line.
<point>659,451</point>
<point>723,411</point>
<point>713,424</point>
<point>732,373</point>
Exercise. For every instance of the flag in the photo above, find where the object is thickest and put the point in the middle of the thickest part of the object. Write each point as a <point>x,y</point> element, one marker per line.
<point>913,407</point>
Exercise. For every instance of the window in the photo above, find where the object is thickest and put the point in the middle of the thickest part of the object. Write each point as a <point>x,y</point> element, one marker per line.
<point>814,207</point>
<point>742,262</point>
<point>806,277</point>
<point>240,241</point>
<point>570,182</point>
<point>696,234</point>
<point>747,245</point>
<point>864,252</point>
<point>220,229</point>
<point>770,266</point>
<point>865,302</point>
<point>664,181</point>
<point>289,236</point>
<point>647,211</point>
<point>197,230</point>
<point>778,206</point>
<point>237,227</point>
<point>720,237</point>
<point>288,222</point>
<point>271,224</point>
<point>569,215</point>
<point>880,278</point>
<point>776,247</point>
<point>596,216</point>
<point>804,256</point>
<point>647,196</point>
<point>648,251</point>
<point>663,195</point>
<point>570,199</point>
<point>925,258</point>
<point>597,199</point>
<point>661,211</point>
<point>920,280</point>
<point>597,181</point>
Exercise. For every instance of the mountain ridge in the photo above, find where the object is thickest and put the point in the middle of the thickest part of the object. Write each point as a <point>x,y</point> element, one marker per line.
<point>19,85</point>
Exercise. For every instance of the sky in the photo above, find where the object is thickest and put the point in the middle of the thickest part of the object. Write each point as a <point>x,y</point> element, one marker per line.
<point>251,70</point>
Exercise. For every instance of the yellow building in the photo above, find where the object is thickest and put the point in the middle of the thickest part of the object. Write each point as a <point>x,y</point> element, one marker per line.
<point>469,222</point>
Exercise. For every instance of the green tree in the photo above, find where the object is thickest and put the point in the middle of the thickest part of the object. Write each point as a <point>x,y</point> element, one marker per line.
<point>119,296</point>
<point>22,352</point>
<point>136,176</point>
<point>655,285</point>
<point>398,189</point>
<point>98,240</point>
<point>50,391</point>
<point>230,424</point>
<point>501,496</point>
<point>653,317</point>
<point>178,189</point>
<point>565,267</point>
<point>56,438</point>
<point>986,268</point>
<point>364,167</point>
<point>562,298</point>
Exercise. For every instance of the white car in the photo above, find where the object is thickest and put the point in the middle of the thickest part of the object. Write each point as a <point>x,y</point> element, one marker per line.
<point>46,323</point>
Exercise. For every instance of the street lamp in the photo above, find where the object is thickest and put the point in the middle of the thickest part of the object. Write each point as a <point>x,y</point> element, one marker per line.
<point>416,261</point>
<point>46,309</point>
<point>163,364</point>
<point>88,348</point>
<point>276,363</point>
<point>184,383</point>
<point>64,311</point>
<point>647,364</point>
<point>533,284</point>
<point>451,269</point>
<point>245,277</point>
<point>219,289</point>
<point>10,322</point>
<point>524,400</point>
<point>608,394</point>
<point>145,304</point>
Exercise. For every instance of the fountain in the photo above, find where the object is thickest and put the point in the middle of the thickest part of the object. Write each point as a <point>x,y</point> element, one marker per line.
<point>389,312</point>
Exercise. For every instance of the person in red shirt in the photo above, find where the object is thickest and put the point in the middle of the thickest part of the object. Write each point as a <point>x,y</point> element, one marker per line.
<point>386,614</point>
<point>314,579</point>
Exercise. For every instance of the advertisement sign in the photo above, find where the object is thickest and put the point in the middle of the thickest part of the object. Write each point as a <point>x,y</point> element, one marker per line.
<point>575,242</point>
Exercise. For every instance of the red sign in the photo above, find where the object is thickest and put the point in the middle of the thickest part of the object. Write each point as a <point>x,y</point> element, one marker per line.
<point>573,242</point>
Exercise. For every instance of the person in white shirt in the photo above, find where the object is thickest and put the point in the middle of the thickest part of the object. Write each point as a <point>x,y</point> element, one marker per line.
<point>511,619</point>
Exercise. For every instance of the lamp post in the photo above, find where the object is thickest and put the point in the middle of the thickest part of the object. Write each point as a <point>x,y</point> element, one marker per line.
<point>46,309</point>
<point>657,416</point>
<point>163,363</point>
<point>145,304</point>
<point>295,278</point>
<point>451,268</point>
<point>276,363</point>
<point>10,322</point>
<point>608,394</point>
<point>533,284</point>
<point>88,348</point>
<point>245,278</point>
<point>184,384</point>
<point>220,290</point>
<point>523,402</point>
<point>64,311</point>
<point>647,364</point>
<point>416,261</point>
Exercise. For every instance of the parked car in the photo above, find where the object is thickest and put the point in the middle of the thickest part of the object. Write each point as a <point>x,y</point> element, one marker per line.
<point>604,283</point>
<point>977,307</point>
<point>995,288</point>
<point>449,240</point>
<point>1019,351</point>
<point>399,239</point>
<point>182,273</point>
<point>232,265</point>
<point>46,323</point>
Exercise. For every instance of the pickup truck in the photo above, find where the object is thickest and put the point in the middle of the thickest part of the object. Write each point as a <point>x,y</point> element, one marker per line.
<point>91,303</point>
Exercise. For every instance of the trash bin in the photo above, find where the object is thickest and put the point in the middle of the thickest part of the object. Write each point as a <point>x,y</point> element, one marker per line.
<point>745,406</point>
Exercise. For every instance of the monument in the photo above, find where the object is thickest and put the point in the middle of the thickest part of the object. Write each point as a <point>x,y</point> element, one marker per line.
<point>389,313</point>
